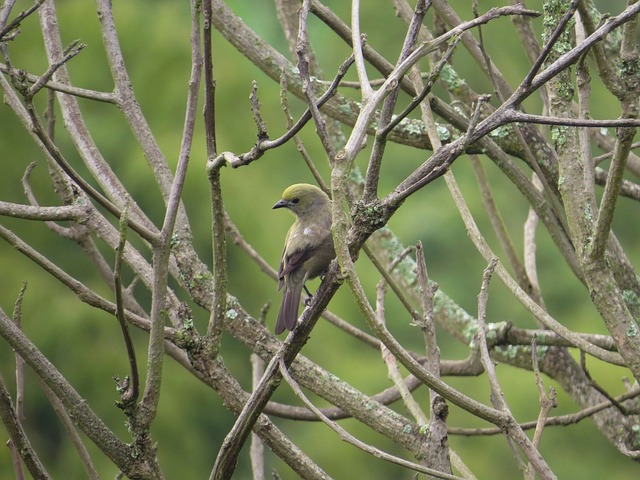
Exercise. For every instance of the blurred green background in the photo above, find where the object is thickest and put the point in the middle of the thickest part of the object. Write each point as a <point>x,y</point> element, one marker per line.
<point>86,345</point>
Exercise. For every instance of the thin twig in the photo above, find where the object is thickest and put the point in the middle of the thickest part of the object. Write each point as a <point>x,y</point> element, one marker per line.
<point>298,141</point>
<point>560,420</point>
<point>19,407</point>
<point>307,87</point>
<point>71,51</point>
<point>512,116</point>
<point>15,23</point>
<point>96,95</point>
<point>219,241</point>
<point>497,396</point>
<point>357,40</point>
<point>129,392</point>
<point>530,247</point>
<point>547,401</point>
<point>256,451</point>
<point>442,456</point>
<point>497,222</point>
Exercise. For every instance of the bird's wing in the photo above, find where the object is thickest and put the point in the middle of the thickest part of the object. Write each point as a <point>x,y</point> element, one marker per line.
<point>281,271</point>
<point>290,261</point>
<point>295,259</point>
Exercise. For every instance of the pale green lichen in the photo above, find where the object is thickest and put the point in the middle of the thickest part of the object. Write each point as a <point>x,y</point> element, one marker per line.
<point>232,314</point>
<point>470,332</point>
<point>631,299</point>
<point>443,132</point>
<point>588,213</point>
<point>501,132</point>
<point>355,176</point>
<point>632,330</point>
<point>509,351</point>
<point>345,109</point>
<point>451,78</point>
<point>558,135</point>
<point>406,268</point>
<point>187,325</point>
<point>412,127</point>
<point>332,377</point>
<point>635,440</point>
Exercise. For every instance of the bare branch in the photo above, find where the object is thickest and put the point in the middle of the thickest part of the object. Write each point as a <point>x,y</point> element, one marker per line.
<point>344,435</point>
<point>129,392</point>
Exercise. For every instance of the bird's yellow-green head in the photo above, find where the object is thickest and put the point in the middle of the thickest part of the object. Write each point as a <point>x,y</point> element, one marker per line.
<point>302,198</point>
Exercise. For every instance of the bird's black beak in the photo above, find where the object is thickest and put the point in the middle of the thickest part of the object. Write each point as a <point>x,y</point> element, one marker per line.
<point>280,204</point>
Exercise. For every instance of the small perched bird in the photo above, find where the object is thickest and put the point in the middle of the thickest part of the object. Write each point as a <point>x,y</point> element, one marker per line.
<point>308,248</point>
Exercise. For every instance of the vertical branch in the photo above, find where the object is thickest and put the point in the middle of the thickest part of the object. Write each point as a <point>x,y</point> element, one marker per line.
<point>498,224</point>
<point>162,249</point>
<point>427,324</point>
<point>497,396</point>
<point>129,395</point>
<point>530,248</point>
<point>219,303</point>
<point>444,456</point>
<point>392,364</point>
<point>19,408</point>
<point>547,402</point>
<point>629,101</point>
<point>256,450</point>
<point>209,85</point>
<point>583,84</point>
<point>357,41</point>
<point>590,230</point>
<point>155,350</point>
<point>307,87</point>
<point>17,318</point>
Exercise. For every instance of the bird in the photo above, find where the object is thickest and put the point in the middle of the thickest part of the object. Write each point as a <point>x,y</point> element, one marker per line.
<point>308,247</point>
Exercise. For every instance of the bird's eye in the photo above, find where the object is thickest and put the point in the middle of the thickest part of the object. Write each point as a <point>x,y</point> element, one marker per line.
<point>295,200</point>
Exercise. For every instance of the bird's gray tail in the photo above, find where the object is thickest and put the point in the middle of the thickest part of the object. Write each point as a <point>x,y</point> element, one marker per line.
<point>288,314</point>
